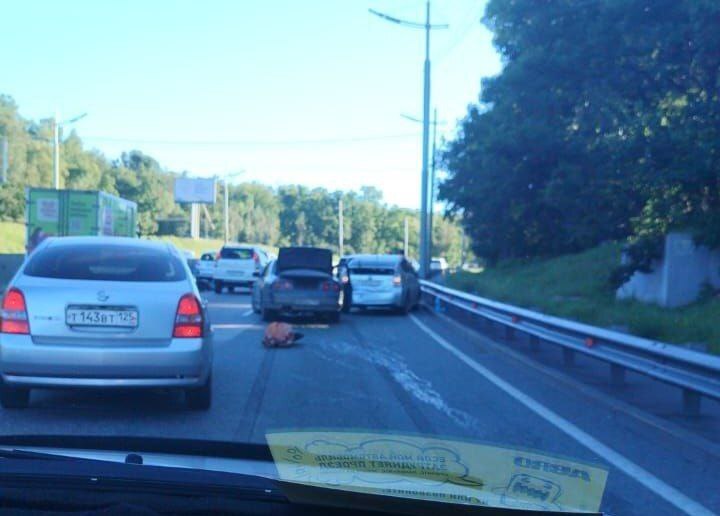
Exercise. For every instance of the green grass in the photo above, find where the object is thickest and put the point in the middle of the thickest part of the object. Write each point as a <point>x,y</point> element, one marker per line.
<point>12,238</point>
<point>576,287</point>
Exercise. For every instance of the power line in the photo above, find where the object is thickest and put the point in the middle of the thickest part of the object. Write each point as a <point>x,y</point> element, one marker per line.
<point>352,139</point>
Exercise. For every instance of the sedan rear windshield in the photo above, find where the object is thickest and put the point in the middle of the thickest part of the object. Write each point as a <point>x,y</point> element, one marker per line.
<point>372,271</point>
<point>230,253</point>
<point>105,262</point>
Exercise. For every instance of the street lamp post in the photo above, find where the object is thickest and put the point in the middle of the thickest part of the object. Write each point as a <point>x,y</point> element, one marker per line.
<point>433,162</point>
<point>424,247</point>
<point>56,145</point>
<point>226,203</point>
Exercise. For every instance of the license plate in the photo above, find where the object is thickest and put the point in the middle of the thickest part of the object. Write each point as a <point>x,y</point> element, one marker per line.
<point>308,302</point>
<point>111,317</point>
<point>237,273</point>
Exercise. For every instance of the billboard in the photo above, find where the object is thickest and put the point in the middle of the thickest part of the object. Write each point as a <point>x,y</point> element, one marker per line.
<point>188,190</point>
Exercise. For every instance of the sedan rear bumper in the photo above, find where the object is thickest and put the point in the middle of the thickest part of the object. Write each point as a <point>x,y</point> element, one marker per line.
<point>182,363</point>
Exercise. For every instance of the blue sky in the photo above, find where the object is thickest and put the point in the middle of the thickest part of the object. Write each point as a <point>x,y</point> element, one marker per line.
<point>286,90</point>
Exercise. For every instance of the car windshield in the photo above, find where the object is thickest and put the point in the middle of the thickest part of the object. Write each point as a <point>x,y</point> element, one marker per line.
<point>453,251</point>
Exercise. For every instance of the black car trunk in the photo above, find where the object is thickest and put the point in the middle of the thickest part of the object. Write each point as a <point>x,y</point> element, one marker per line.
<point>312,259</point>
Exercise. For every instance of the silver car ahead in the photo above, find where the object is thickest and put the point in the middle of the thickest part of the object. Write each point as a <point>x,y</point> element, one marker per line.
<point>388,281</point>
<point>101,312</point>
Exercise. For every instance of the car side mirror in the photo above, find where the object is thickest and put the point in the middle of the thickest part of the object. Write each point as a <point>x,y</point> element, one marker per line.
<point>256,274</point>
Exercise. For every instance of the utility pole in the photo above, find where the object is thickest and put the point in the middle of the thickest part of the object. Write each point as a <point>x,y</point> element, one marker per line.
<point>56,152</point>
<point>5,164</point>
<point>56,145</point>
<point>341,232</point>
<point>407,234</point>
<point>432,187</point>
<point>424,247</point>
<point>225,211</point>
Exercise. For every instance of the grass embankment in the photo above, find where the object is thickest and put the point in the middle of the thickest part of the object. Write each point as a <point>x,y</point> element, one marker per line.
<point>12,240</point>
<point>576,287</point>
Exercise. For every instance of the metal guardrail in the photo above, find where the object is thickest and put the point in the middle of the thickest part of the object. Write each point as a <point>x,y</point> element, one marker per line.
<point>696,373</point>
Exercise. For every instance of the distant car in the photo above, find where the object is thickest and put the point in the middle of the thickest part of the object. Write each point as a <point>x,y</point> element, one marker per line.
<point>104,312</point>
<point>387,281</point>
<point>205,269</point>
<point>238,265</point>
<point>299,282</point>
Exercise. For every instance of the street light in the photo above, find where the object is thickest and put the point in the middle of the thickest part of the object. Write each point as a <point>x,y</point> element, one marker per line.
<point>431,200</point>
<point>424,241</point>
<point>56,144</point>
<point>226,207</point>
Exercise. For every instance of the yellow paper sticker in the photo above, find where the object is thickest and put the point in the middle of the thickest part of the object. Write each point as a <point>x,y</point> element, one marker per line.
<point>436,469</point>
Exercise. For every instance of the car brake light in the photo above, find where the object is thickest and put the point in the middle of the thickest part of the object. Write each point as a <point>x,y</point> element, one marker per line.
<point>217,257</point>
<point>188,318</point>
<point>283,285</point>
<point>330,285</point>
<point>13,316</point>
<point>397,280</point>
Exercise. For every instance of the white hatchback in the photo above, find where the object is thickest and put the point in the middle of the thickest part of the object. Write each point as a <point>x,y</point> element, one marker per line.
<point>238,265</point>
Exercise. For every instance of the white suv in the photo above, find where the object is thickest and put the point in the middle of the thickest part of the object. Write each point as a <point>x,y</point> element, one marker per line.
<point>238,265</point>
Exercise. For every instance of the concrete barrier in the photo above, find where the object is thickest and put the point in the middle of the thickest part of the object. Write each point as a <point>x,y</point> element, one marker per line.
<point>677,278</point>
<point>9,264</point>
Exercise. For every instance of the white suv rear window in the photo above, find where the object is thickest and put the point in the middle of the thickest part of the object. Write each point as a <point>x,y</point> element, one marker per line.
<point>234,253</point>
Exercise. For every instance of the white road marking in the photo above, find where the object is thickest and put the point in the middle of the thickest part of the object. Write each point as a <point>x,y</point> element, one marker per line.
<point>657,486</point>
<point>230,305</point>
<point>237,327</point>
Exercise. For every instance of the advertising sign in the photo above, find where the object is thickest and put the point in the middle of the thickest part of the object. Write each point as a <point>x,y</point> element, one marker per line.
<point>189,190</point>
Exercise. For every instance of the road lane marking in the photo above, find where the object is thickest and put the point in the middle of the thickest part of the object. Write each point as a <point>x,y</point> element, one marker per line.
<point>654,484</point>
<point>230,305</point>
<point>238,326</point>
<point>665,426</point>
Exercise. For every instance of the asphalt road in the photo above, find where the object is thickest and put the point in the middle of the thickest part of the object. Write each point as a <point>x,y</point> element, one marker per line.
<point>414,374</point>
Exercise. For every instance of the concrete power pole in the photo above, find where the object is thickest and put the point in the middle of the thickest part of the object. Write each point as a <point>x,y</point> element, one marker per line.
<point>431,203</point>
<point>424,247</point>
<point>341,229</point>
<point>5,164</point>
<point>407,234</point>
<point>56,152</point>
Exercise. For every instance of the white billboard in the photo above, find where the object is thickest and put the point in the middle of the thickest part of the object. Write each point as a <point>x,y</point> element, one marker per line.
<point>189,190</point>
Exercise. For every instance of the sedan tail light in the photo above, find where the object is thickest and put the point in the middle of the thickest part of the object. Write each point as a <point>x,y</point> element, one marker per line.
<point>13,316</point>
<point>329,286</point>
<point>397,280</point>
<point>283,285</point>
<point>188,318</point>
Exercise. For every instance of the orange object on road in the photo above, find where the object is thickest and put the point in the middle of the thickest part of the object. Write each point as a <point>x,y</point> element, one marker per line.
<point>280,335</point>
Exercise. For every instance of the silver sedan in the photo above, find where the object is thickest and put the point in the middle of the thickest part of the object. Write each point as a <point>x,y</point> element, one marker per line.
<point>104,312</point>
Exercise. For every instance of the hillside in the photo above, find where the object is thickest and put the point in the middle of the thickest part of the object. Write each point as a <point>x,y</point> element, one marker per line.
<point>576,287</point>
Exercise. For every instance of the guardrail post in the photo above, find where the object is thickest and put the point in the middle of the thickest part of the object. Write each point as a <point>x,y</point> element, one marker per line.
<point>617,375</point>
<point>534,343</point>
<point>568,357</point>
<point>691,403</point>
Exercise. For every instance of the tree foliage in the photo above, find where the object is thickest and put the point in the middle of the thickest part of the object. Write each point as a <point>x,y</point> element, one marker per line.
<point>604,124</point>
<point>287,215</point>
